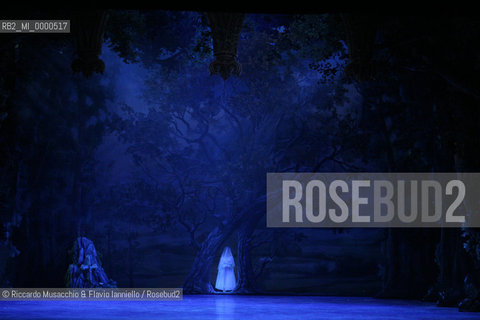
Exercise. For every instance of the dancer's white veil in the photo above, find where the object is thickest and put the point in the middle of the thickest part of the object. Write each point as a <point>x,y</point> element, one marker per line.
<point>227,259</point>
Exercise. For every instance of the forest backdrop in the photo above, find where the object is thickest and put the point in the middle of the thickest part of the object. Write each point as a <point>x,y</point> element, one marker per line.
<point>162,165</point>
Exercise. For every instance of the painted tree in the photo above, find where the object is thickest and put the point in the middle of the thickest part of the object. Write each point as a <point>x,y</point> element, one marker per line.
<point>211,148</point>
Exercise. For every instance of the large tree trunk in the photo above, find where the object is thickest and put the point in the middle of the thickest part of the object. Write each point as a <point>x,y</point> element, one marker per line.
<point>246,277</point>
<point>198,280</point>
<point>247,282</point>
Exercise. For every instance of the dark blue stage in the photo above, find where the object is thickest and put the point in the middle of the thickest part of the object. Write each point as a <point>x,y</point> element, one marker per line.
<point>235,307</point>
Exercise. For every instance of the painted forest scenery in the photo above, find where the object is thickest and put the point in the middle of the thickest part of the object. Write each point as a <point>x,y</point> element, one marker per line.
<point>135,147</point>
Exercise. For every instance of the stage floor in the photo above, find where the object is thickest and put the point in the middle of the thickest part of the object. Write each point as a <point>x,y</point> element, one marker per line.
<point>233,307</point>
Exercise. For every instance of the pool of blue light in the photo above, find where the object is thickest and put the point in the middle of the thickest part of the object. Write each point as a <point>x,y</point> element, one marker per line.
<point>233,307</point>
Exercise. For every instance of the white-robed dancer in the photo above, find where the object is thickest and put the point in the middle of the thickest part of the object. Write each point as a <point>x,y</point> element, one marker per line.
<point>226,276</point>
